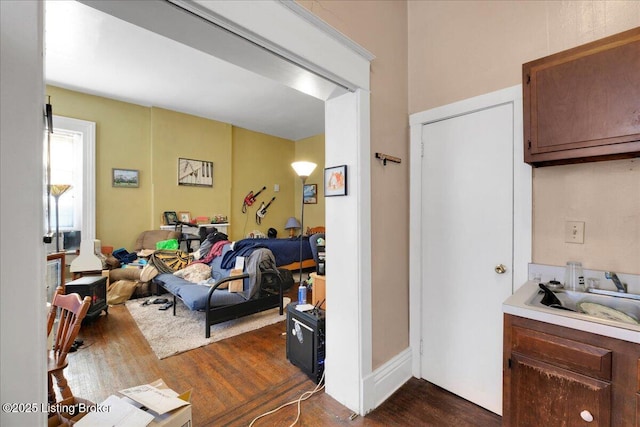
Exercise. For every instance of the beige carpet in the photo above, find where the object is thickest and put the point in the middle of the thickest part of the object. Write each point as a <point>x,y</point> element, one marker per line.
<point>169,335</point>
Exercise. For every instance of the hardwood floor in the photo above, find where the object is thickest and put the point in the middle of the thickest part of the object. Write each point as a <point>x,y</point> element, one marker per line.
<point>237,379</point>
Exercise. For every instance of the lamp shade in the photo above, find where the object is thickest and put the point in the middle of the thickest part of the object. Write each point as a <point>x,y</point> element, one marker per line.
<point>58,190</point>
<point>303,169</point>
<point>292,223</point>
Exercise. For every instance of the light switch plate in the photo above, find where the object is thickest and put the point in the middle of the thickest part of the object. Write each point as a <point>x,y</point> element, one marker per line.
<point>574,232</point>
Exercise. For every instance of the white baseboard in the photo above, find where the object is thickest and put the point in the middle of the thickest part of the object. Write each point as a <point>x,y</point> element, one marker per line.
<point>384,381</point>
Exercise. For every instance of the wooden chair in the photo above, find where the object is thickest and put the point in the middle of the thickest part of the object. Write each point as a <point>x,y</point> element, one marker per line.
<point>72,310</point>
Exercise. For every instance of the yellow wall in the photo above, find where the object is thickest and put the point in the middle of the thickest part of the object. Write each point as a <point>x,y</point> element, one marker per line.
<point>261,160</point>
<point>151,140</point>
<point>176,135</point>
<point>264,160</point>
<point>310,149</point>
<point>123,140</point>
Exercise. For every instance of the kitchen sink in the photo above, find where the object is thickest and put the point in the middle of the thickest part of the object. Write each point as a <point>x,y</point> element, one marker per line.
<point>618,309</point>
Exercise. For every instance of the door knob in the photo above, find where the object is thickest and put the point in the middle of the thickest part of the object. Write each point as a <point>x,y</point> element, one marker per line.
<point>586,415</point>
<point>500,269</point>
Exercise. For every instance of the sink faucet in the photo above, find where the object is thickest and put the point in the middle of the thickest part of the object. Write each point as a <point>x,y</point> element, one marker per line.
<point>614,277</point>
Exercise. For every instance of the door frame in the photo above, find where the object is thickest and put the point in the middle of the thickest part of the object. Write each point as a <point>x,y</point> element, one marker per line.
<point>24,136</point>
<point>522,200</point>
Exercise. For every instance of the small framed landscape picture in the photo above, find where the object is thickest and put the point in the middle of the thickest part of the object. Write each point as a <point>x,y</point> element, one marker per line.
<point>335,181</point>
<point>310,194</point>
<point>126,178</point>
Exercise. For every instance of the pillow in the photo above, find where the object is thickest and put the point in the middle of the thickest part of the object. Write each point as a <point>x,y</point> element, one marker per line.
<point>196,272</point>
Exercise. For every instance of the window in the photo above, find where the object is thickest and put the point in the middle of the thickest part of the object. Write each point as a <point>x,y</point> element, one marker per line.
<point>66,168</point>
<point>73,163</point>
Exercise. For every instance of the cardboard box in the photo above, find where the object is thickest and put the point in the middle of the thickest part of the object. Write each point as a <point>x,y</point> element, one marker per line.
<point>180,417</point>
<point>236,285</point>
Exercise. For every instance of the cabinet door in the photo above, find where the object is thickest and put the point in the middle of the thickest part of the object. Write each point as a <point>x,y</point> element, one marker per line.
<point>638,397</point>
<point>583,102</point>
<point>543,394</point>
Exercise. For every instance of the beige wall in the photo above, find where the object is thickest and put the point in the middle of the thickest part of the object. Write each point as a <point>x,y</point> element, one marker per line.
<point>462,49</point>
<point>151,140</point>
<point>457,50</point>
<point>606,196</point>
<point>381,28</point>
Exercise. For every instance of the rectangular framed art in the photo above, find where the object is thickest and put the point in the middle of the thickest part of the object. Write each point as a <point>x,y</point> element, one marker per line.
<point>170,217</point>
<point>335,181</point>
<point>310,194</point>
<point>125,178</point>
<point>198,173</point>
<point>184,216</point>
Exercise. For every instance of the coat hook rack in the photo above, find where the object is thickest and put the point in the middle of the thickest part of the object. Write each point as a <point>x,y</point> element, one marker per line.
<point>386,157</point>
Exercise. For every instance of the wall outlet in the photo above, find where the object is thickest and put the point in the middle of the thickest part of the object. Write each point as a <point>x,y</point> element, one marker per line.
<point>574,232</point>
<point>276,188</point>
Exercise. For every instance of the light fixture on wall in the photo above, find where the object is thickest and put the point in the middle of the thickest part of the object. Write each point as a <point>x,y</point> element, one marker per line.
<point>57,190</point>
<point>291,225</point>
<point>303,169</point>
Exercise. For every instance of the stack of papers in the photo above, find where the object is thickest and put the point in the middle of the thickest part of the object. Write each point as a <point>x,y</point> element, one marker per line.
<point>117,413</point>
<point>121,412</point>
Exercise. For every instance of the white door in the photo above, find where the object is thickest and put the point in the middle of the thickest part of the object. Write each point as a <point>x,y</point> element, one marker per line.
<point>467,231</point>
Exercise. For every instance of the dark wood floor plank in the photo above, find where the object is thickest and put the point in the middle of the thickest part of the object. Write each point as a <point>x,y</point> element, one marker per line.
<point>236,380</point>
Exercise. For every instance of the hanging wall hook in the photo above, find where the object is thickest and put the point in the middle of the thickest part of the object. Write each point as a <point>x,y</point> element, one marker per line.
<point>385,157</point>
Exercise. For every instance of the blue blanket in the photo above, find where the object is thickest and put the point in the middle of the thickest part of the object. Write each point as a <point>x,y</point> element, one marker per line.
<point>286,251</point>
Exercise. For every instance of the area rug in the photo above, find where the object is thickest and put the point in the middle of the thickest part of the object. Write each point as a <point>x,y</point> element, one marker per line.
<point>169,335</point>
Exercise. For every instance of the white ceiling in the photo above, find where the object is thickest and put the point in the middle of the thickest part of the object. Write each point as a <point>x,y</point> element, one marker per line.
<point>92,52</point>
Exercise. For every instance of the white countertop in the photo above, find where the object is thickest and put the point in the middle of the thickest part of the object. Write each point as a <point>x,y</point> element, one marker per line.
<point>517,305</point>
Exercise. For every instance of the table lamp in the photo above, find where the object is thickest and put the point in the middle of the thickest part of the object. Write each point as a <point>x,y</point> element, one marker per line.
<point>291,225</point>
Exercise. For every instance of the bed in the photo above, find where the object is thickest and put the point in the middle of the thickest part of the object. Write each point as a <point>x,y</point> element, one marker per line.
<point>286,251</point>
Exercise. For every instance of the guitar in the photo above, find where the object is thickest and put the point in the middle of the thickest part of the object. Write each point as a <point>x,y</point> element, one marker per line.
<point>262,211</point>
<point>250,199</point>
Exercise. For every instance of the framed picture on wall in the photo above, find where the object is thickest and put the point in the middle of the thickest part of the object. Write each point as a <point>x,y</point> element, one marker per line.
<point>126,178</point>
<point>170,217</point>
<point>335,181</point>
<point>184,216</point>
<point>197,173</point>
<point>310,194</point>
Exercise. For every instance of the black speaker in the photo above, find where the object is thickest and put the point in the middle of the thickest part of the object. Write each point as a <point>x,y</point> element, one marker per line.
<point>306,340</point>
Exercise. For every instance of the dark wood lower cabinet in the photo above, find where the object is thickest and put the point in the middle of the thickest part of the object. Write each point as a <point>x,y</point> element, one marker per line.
<point>542,394</point>
<point>556,376</point>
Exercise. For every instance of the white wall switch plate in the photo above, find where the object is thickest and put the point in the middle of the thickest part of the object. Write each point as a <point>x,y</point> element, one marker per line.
<point>574,232</point>
<point>276,187</point>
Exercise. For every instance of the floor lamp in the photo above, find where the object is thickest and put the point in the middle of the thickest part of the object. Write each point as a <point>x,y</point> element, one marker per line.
<point>56,191</point>
<point>303,169</point>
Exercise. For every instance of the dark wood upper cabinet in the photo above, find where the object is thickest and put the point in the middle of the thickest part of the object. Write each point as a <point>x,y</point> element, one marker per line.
<point>583,104</point>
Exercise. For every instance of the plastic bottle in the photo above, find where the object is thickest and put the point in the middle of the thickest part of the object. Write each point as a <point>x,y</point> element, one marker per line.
<point>302,294</point>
